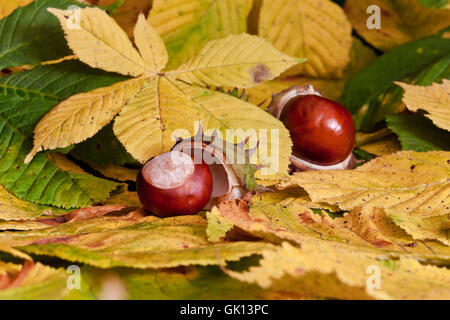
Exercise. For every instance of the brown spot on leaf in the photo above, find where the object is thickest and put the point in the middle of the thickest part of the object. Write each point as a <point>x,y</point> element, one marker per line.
<point>260,73</point>
<point>411,245</point>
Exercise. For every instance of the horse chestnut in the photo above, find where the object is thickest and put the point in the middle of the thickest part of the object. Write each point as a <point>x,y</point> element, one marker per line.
<point>322,131</point>
<point>172,184</point>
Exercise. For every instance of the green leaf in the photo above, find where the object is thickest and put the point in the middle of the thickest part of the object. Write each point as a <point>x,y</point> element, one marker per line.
<point>435,4</point>
<point>418,133</point>
<point>24,99</point>
<point>31,35</point>
<point>371,94</point>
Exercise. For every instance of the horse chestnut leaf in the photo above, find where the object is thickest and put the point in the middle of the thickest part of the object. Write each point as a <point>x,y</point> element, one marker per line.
<point>322,131</point>
<point>172,184</point>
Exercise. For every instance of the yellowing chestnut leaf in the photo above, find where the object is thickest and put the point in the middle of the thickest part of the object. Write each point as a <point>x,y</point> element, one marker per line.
<point>328,270</point>
<point>82,116</point>
<point>401,21</point>
<point>8,6</point>
<point>154,104</point>
<point>390,233</point>
<point>378,143</point>
<point>408,182</point>
<point>434,99</point>
<point>287,216</point>
<point>150,45</point>
<point>314,29</point>
<point>133,241</point>
<point>292,219</point>
<point>187,26</point>
<point>220,63</point>
<point>99,42</point>
<point>116,172</point>
<point>12,208</point>
<point>217,227</point>
<point>422,228</point>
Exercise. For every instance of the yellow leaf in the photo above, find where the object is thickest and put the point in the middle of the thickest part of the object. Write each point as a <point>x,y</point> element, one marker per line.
<point>187,25</point>
<point>136,242</point>
<point>239,61</point>
<point>32,281</point>
<point>125,197</point>
<point>314,29</point>
<point>82,116</point>
<point>116,172</point>
<point>422,228</point>
<point>63,163</point>
<point>402,21</point>
<point>8,6</point>
<point>434,99</point>
<point>150,45</point>
<point>99,42</point>
<point>379,143</point>
<point>369,229</point>
<point>325,270</point>
<point>12,208</point>
<point>387,232</point>
<point>4,247</point>
<point>290,220</point>
<point>146,123</point>
<point>217,228</point>
<point>411,182</point>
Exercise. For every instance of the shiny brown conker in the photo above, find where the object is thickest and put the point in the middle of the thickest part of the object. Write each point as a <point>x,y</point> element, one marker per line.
<point>322,131</point>
<point>172,184</point>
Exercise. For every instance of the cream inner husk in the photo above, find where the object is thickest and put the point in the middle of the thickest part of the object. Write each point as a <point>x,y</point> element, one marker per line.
<point>168,170</point>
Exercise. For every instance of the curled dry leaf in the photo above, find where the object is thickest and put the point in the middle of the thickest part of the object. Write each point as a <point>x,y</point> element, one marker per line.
<point>434,99</point>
